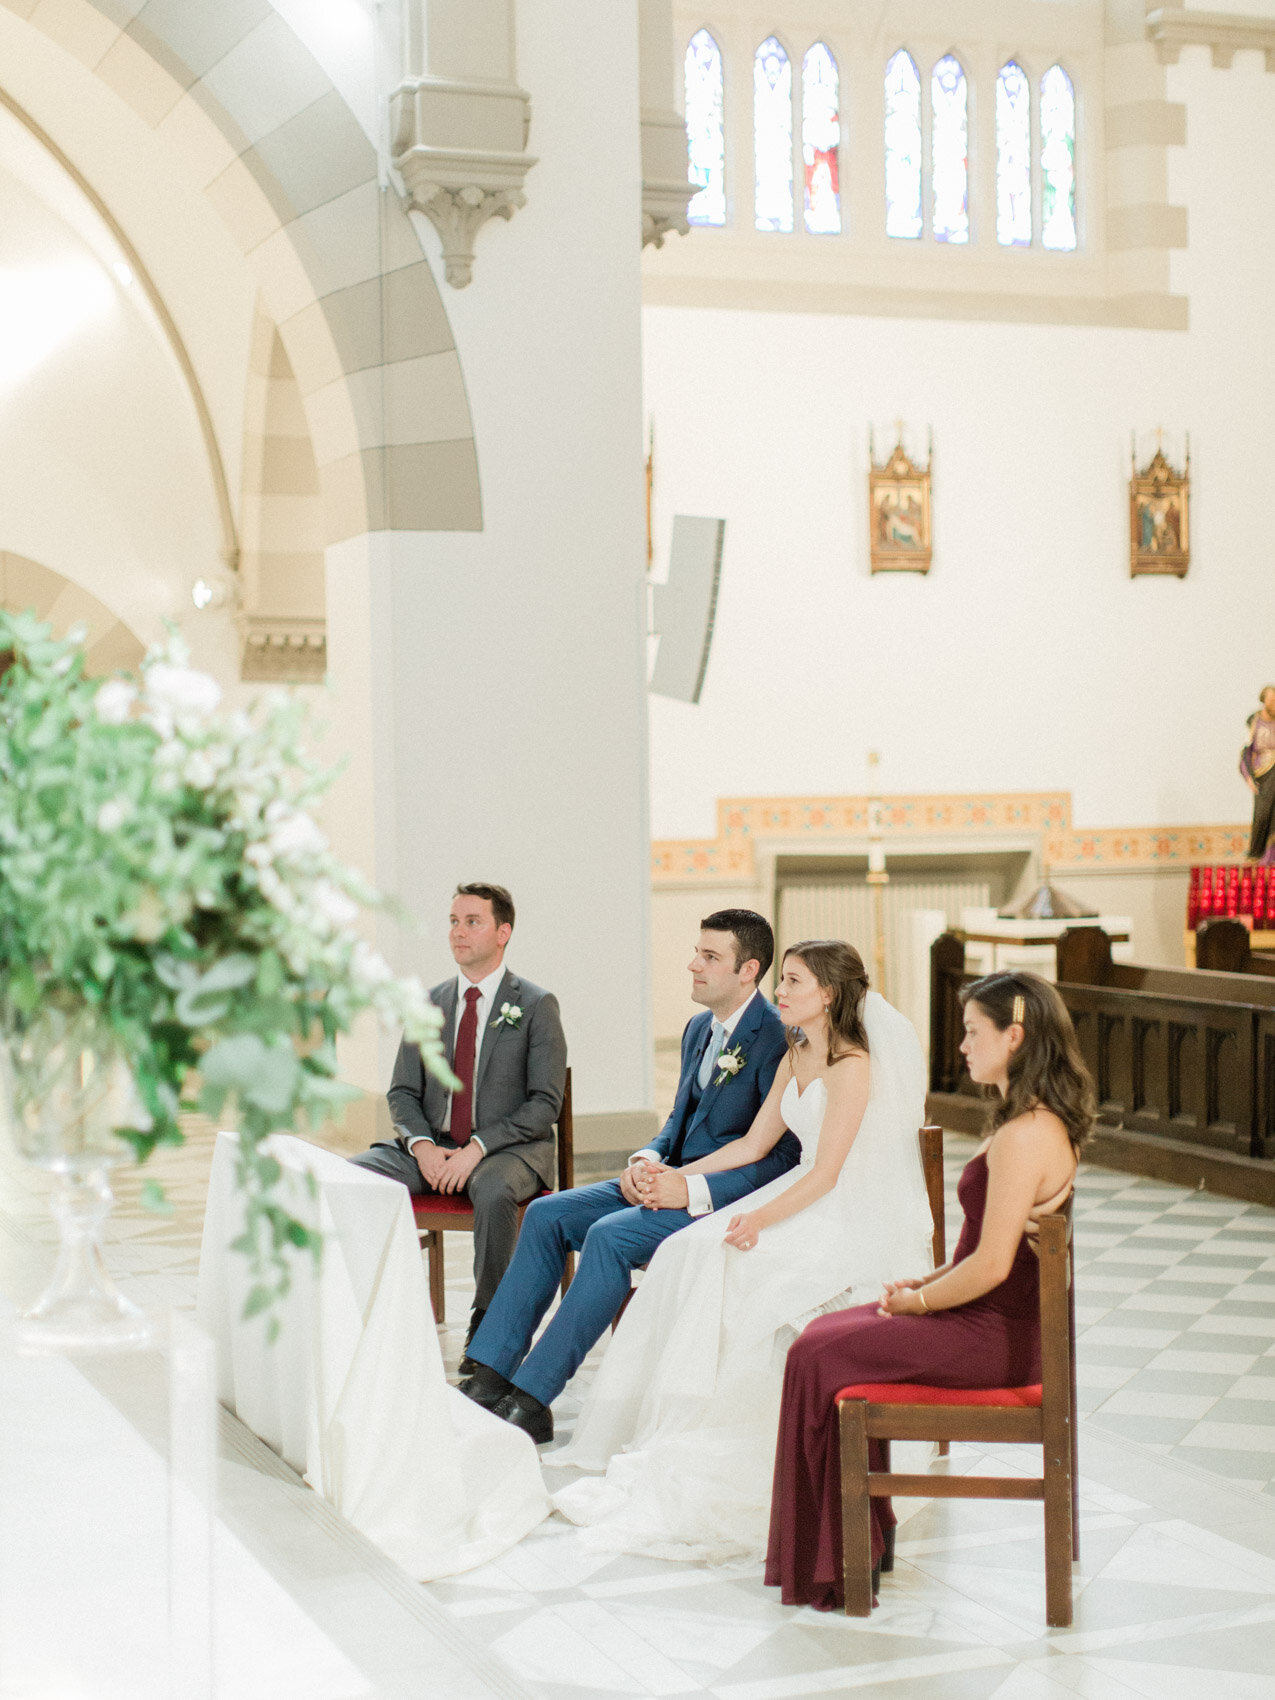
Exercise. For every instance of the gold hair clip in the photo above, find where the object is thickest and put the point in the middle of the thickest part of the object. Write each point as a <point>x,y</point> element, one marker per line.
<point>1020,1010</point>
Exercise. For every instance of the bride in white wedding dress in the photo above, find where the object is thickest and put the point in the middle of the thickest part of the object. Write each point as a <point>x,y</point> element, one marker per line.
<point>684,1410</point>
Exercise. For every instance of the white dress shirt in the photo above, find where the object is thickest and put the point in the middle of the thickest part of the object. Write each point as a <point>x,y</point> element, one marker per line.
<point>487,997</point>
<point>699,1200</point>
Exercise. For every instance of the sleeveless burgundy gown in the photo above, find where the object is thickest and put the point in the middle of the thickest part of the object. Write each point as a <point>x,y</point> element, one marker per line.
<point>990,1342</point>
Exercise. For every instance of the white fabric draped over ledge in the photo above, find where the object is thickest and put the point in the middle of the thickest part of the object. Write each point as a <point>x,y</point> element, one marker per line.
<point>352,1393</point>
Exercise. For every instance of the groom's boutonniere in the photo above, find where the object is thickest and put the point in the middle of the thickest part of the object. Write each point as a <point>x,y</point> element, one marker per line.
<point>510,1015</point>
<point>729,1064</point>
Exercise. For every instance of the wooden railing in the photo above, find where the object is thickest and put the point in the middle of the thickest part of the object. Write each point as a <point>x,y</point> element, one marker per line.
<point>1184,1054</point>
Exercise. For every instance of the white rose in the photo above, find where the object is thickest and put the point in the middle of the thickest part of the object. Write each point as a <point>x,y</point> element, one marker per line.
<point>199,771</point>
<point>333,904</point>
<point>114,701</point>
<point>112,815</point>
<point>297,835</point>
<point>181,690</point>
<point>368,966</point>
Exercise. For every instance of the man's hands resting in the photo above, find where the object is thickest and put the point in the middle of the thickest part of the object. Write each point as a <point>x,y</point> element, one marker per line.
<point>447,1171</point>
<point>654,1186</point>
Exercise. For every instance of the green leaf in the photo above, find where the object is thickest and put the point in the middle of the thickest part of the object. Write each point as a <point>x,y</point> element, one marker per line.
<point>154,1198</point>
<point>195,1007</point>
<point>259,1298</point>
<point>170,971</point>
<point>228,974</point>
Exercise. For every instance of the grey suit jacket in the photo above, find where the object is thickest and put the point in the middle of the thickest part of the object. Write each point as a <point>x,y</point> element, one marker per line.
<point>518,1088</point>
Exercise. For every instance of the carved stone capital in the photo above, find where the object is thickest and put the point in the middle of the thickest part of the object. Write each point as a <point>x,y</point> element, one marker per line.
<point>457,146</point>
<point>1172,28</point>
<point>666,189</point>
<point>282,649</point>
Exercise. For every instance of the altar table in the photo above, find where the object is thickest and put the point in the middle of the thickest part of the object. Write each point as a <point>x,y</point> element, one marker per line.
<point>352,1393</point>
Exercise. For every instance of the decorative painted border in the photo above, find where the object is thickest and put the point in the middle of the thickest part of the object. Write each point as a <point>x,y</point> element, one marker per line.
<point>742,821</point>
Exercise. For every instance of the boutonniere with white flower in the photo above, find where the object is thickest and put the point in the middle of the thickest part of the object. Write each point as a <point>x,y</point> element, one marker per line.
<point>510,1015</point>
<point>729,1064</point>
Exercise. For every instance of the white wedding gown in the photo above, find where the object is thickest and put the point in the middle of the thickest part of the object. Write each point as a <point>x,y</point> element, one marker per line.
<point>683,1413</point>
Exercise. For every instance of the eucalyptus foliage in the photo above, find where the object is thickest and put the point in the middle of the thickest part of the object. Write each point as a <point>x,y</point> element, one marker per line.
<point>161,870</point>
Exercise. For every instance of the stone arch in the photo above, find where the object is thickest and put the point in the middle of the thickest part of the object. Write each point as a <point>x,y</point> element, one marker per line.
<point>235,94</point>
<point>110,646</point>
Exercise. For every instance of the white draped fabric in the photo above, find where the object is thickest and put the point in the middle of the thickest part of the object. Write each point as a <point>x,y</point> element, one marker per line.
<point>352,1393</point>
<point>684,1410</point>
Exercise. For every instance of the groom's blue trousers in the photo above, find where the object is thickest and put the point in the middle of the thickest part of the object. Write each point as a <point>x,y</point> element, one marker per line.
<point>613,1238</point>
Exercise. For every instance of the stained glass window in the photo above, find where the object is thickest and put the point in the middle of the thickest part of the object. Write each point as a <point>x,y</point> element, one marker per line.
<point>902,146</point>
<point>1057,160</point>
<point>705,132</point>
<point>772,135</point>
<point>949,109</point>
<point>820,138</point>
<point>1013,157</point>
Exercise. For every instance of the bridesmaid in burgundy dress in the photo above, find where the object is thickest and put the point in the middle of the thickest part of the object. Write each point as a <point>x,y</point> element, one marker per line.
<point>973,1323</point>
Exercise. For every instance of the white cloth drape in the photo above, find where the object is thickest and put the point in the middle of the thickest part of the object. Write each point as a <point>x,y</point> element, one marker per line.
<point>352,1393</point>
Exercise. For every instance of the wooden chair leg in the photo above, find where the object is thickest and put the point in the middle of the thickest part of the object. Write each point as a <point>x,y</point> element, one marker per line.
<point>1058,1497</point>
<point>887,1557</point>
<point>856,1509</point>
<point>568,1272</point>
<point>437,1286</point>
<point>945,1448</point>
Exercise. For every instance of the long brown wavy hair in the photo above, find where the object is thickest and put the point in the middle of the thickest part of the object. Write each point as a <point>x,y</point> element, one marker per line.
<point>839,969</point>
<point>1047,1071</point>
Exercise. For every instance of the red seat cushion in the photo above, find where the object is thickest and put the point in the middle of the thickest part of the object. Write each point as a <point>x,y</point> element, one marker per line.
<point>913,1393</point>
<point>451,1204</point>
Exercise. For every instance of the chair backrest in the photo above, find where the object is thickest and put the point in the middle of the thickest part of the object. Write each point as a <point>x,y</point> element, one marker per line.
<point>1053,1249</point>
<point>931,1138</point>
<point>566,1140</point>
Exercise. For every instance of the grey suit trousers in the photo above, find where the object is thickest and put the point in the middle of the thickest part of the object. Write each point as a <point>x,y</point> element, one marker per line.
<point>496,1188</point>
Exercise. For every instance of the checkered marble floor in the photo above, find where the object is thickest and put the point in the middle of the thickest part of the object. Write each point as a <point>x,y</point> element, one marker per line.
<point>1175,1592</point>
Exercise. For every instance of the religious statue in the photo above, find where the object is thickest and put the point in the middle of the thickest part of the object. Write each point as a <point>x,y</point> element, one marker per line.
<point>1257,764</point>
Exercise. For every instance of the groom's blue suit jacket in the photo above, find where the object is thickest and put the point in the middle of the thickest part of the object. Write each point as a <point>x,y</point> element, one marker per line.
<point>702,1122</point>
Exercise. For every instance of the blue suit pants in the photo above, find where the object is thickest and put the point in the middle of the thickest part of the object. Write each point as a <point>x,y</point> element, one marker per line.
<point>612,1238</point>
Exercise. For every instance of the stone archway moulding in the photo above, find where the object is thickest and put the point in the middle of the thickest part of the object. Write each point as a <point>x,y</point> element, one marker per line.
<point>235,94</point>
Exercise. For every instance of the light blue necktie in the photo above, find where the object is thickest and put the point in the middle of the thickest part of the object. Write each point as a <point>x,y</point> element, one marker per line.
<point>716,1039</point>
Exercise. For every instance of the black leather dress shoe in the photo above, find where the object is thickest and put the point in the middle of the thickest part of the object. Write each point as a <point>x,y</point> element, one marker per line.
<point>486,1387</point>
<point>467,1364</point>
<point>528,1414</point>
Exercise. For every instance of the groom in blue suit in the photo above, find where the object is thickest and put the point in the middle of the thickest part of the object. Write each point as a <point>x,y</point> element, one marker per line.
<point>729,1056</point>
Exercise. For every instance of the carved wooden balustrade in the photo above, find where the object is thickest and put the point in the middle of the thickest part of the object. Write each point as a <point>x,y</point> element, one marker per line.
<point>1186,1055</point>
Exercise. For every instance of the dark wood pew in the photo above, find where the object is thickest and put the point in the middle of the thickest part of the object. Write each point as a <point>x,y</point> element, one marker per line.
<point>1182,1055</point>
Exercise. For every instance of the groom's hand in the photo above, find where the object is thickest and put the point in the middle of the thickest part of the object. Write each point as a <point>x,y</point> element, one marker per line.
<point>458,1167</point>
<point>431,1162</point>
<point>631,1180</point>
<point>664,1189</point>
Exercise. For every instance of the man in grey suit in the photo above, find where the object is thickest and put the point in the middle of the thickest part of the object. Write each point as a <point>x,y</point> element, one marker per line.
<point>493,1138</point>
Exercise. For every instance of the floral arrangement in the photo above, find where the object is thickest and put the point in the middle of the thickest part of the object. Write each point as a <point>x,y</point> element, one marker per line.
<point>161,873</point>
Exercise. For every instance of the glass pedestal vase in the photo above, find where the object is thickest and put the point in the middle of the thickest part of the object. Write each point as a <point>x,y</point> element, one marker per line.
<point>64,1089</point>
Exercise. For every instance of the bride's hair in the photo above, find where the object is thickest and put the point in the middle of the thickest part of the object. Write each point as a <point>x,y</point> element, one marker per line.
<point>1047,1071</point>
<point>839,969</point>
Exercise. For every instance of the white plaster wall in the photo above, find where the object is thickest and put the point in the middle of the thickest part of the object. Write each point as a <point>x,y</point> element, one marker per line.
<point>514,654</point>
<point>1028,659</point>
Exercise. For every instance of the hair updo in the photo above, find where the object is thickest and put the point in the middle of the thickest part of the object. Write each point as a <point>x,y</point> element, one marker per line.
<point>1047,1071</point>
<point>839,969</point>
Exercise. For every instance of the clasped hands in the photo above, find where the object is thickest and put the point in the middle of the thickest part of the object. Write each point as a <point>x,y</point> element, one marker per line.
<point>901,1298</point>
<point>654,1186</point>
<point>447,1171</point>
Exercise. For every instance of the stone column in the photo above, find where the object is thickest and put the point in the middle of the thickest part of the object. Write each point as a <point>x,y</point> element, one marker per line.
<point>666,188</point>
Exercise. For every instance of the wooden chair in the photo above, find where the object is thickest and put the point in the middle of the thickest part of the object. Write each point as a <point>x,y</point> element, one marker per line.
<point>1043,1415</point>
<point>438,1213</point>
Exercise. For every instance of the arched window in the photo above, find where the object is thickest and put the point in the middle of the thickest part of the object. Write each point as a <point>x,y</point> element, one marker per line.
<point>949,143</point>
<point>772,136</point>
<point>1057,160</point>
<point>820,141</point>
<point>705,130</point>
<point>902,147</point>
<point>1013,157</point>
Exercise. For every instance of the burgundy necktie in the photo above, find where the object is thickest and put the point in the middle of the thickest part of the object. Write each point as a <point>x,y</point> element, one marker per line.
<point>463,1069</point>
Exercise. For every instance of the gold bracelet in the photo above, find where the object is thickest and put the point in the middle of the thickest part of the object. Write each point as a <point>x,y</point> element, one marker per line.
<point>920,1293</point>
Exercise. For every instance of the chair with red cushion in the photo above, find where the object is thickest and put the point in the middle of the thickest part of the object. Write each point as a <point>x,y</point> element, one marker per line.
<point>448,1213</point>
<point>1043,1416</point>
